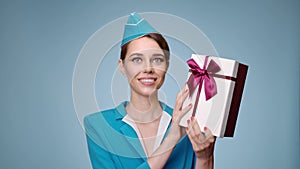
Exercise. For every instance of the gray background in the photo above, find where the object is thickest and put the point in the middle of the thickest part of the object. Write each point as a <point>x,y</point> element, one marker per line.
<point>40,42</point>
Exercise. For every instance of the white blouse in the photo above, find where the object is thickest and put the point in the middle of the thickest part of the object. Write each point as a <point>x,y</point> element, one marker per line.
<point>162,128</point>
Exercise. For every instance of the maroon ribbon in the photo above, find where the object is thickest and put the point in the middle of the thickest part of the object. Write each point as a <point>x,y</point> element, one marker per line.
<point>199,76</point>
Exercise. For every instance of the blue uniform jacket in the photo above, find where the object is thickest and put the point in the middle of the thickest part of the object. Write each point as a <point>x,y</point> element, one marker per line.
<point>113,143</point>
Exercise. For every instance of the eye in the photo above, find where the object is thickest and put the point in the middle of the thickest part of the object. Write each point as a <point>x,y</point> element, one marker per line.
<point>158,60</point>
<point>136,60</point>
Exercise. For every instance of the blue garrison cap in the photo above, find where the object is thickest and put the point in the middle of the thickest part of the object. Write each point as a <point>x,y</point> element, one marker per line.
<point>136,27</point>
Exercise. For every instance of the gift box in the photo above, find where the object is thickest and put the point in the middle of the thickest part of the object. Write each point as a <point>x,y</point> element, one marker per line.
<point>215,90</point>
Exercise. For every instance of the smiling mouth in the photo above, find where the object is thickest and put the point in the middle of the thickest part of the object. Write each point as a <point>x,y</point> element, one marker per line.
<point>147,81</point>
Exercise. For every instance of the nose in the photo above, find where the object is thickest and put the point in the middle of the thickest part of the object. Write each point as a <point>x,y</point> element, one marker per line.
<point>148,68</point>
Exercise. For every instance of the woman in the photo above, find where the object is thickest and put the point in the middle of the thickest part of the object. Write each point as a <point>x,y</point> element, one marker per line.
<point>145,133</point>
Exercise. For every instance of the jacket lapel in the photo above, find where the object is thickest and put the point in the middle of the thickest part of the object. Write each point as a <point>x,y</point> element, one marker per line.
<point>130,136</point>
<point>134,148</point>
<point>133,140</point>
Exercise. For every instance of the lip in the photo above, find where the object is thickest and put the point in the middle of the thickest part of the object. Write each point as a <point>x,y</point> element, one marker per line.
<point>147,81</point>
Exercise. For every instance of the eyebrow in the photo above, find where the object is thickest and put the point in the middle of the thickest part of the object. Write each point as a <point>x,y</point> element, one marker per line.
<point>158,54</point>
<point>141,54</point>
<point>135,54</point>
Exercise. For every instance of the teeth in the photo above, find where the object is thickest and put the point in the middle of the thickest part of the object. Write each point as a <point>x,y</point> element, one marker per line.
<point>147,80</point>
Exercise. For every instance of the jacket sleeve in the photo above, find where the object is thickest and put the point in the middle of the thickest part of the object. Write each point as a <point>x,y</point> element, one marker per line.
<point>99,147</point>
<point>100,158</point>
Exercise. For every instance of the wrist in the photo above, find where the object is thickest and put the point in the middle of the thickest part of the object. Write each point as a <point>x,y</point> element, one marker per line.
<point>207,162</point>
<point>174,133</point>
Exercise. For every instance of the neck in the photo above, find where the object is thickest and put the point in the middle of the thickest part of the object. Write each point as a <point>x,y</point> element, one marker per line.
<point>144,109</point>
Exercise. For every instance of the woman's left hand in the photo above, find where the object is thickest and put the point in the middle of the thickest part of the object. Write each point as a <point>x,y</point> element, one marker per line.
<point>176,131</point>
<point>203,143</point>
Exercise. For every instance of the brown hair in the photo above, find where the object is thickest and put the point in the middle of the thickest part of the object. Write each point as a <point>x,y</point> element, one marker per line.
<point>159,39</point>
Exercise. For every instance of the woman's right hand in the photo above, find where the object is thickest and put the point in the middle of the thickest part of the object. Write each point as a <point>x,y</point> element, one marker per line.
<point>162,154</point>
<point>177,131</point>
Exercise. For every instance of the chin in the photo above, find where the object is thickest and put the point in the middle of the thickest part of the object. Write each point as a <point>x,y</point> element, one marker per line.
<point>145,92</point>
<point>148,93</point>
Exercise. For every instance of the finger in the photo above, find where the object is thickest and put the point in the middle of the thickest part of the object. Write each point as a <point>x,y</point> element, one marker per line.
<point>197,130</point>
<point>182,91</point>
<point>185,92</point>
<point>199,138</point>
<point>210,137</point>
<point>190,133</point>
<point>194,133</point>
<point>185,110</point>
<point>180,98</point>
<point>209,140</point>
<point>193,139</point>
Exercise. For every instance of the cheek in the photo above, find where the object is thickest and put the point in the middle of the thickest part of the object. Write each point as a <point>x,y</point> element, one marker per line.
<point>161,71</point>
<point>132,71</point>
<point>162,74</point>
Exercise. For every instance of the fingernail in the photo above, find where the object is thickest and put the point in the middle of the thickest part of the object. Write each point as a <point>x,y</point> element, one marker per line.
<point>190,104</point>
<point>192,118</point>
<point>186,128</point>
<point>205,128</point>
<point>186,90</point>
<point>188,121</point>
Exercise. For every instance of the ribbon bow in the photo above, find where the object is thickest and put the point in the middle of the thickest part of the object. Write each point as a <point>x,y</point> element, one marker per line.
<point>199,75</point>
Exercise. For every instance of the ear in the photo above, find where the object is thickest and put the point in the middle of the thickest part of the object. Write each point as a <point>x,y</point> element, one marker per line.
<point>121,67</point>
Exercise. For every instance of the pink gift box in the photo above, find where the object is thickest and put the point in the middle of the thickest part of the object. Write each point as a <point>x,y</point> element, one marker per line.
<point>216,87</point>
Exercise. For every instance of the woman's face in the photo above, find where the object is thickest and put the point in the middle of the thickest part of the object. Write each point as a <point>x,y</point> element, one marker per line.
<point>144,66</point>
